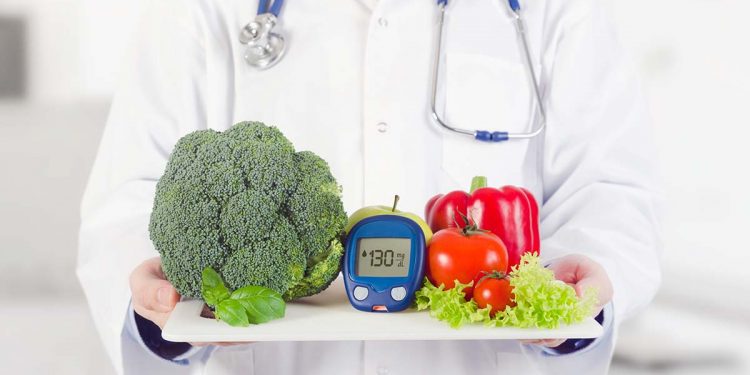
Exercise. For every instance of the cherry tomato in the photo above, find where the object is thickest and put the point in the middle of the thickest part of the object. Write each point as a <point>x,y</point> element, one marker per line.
<point>494,291</point>
<point>461,254</point>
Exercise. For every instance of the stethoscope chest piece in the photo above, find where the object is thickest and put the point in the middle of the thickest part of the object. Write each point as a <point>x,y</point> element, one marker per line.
<point>264,46</point>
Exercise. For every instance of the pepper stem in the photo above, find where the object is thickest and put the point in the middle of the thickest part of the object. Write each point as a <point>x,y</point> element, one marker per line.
<point>395,202</point>
<point>478,182</point>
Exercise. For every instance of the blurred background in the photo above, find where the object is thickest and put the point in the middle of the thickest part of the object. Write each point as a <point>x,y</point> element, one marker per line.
<point>59,62</point>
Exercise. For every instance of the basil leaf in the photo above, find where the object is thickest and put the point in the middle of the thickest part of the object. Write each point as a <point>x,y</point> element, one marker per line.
<point>212,288</point>
<point>261,304</point>
<point>232,312</point>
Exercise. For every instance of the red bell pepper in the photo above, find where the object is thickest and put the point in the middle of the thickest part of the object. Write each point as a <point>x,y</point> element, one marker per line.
<point>510,212</point>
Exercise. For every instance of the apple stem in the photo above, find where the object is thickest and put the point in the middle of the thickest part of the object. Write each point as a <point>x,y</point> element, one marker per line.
<point>395,202</point>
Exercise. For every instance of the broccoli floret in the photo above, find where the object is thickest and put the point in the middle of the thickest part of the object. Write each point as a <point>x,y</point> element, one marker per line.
<point>315,205</point>
<point>246,204</point>
<point>321,274</point>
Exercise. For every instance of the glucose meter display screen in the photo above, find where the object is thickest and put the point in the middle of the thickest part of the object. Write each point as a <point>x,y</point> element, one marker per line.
<point>383,257</point>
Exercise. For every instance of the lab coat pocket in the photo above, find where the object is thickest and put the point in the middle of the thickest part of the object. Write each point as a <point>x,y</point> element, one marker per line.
<point>485,93</point>
<point>230,360</point>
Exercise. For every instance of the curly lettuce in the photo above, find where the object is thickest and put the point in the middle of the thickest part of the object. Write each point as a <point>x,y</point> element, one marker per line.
<point>541,301</point>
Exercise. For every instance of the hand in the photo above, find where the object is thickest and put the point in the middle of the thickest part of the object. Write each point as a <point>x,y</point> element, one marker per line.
<point>154,297</point>
<point>581,273</point>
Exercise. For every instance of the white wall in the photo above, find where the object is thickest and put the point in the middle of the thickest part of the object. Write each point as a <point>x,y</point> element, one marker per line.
<point>694,57</point>
<point>75,46</point>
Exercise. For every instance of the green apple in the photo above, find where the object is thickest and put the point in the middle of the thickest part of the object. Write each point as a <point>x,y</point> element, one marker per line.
<point>365,212</point>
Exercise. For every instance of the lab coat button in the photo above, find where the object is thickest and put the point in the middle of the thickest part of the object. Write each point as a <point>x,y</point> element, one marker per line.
<point>383,370</point>
<point>382,22</point>
<point>382,127</point>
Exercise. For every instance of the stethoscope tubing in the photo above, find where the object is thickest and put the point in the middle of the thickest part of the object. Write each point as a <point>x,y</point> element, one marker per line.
<point>275,8</point>
<point>485,135</point>
<point>270,9</point>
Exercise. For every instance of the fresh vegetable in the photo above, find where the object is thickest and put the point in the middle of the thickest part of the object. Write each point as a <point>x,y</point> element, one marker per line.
<point>449,305</point>
<point>509,212</point>
<point>246,204</point>
<point>365,212</point>
<point>493,290</point>
<point>541,301</point>
<point>462,255</point>
<point>245,306</point>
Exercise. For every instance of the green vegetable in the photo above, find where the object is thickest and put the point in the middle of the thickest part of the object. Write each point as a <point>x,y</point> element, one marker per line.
<point>246,204</point>
<point>232,312</point>
<point>541,301</point>
<point>245,306</point>
<point>213,288</point>
<point>261,304</point>
<point>449,305</point>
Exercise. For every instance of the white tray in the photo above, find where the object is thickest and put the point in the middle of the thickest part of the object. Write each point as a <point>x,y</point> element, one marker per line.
<point>329,316</point>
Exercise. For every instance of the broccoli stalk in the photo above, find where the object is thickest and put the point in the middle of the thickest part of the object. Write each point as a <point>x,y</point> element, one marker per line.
<point>246,204</point>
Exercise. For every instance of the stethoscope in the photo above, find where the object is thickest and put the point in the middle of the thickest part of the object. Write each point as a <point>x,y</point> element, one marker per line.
<point>265,47</point>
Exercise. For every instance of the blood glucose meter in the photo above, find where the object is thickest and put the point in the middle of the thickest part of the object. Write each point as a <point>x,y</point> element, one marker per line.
<point>384,263</point>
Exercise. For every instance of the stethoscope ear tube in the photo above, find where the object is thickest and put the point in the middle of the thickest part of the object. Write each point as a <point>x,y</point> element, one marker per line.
<point>485,135</point>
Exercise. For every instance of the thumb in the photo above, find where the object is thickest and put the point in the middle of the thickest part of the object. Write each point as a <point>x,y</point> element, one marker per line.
<point>151,291</point>
<point>583,285</point>
<point>166,298</point>
<point>599,282</point>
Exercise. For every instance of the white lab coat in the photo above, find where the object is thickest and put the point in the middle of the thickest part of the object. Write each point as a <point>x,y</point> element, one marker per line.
<point>354,88</point>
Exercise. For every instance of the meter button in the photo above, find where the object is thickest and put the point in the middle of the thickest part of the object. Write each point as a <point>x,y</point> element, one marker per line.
<point>360,293</point>
<point>398,293</point>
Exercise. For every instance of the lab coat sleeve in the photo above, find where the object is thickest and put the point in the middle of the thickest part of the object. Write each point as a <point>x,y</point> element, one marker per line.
<point>600,186</point>
<point>159,99</point>
<point>147,333</point>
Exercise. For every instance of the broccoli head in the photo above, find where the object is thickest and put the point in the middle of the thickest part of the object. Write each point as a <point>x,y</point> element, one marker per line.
<point>246,204</point>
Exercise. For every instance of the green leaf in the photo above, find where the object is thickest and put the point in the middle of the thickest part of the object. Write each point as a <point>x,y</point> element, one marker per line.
<point>541,301</point>
<point>232,312</point>
<point>447,305</point>
<point>212,287</point>
<point>261,304</point>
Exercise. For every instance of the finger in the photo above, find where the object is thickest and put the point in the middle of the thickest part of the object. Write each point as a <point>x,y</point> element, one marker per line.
<point>570,268</point>
<point>598,281</point>
<point>153,293</point>
<point>550,343</point>
<point>152,267</point>
<point>202,344</point>
<point>150,290</point>
<point>584,274</point>
<point>531,342</point>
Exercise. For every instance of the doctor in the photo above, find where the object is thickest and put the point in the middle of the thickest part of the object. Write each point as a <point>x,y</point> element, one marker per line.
<point>354,86</point>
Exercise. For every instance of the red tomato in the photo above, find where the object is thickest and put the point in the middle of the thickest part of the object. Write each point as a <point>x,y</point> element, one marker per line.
<point>457,254</point>
<point>494,291</point>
